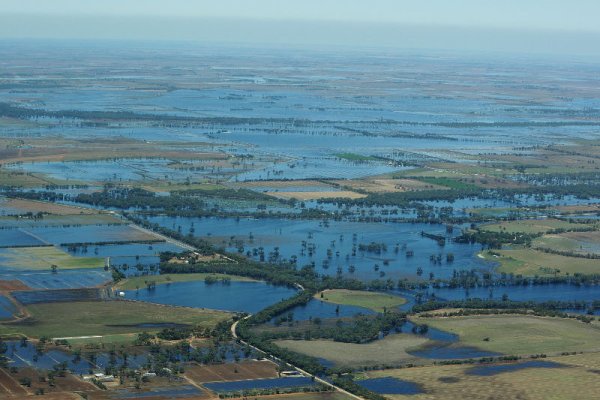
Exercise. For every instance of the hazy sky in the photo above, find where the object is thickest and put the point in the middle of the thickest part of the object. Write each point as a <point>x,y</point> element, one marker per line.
<point>555,26</point>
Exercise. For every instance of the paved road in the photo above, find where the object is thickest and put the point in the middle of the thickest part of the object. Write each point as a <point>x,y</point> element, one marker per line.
<point>234,325</point>
<point>165,238</point>
<point>303,372</point>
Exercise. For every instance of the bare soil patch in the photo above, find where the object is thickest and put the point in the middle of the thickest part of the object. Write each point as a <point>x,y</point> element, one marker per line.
<point>11,285</point>
<point>227,372</point>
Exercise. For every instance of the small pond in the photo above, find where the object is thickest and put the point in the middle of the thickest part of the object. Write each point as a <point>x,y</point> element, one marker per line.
<point>389,385</point>
<point>490,370</point>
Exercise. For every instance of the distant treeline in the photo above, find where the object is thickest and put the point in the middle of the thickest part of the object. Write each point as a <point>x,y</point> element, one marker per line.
<point>490,304</point>
<point>480,306</point>
<point>190,204</point>
<point>495,240</point>
<point>11,111</point>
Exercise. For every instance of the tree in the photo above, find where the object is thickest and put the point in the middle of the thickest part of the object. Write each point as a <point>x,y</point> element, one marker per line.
<point>25,381</point>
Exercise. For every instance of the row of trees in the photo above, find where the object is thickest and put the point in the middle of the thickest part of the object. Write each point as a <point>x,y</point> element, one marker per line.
<point>360,329</point>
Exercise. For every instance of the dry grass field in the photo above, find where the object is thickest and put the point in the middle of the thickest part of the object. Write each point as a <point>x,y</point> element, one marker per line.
<point>531,226</point>
<point>577,242</point>
<point>33,206</point>
<point>577,379</point>
<point>530,262</point>
<point>391,350</point>
<point>102,318</point>
<point>307,396</point>
<point>282,184</point>
<point>63,149</point>
<point>316,195</point>
<point>519,334</point>
<point>386,185</point>
<point>61,220</point>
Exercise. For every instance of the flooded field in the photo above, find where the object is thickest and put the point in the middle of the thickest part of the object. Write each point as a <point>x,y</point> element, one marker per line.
<point>62,280</point>
<point>537,293</point>
<point>7,308</point>
<point>396,251</point>
<point>322,309</point>
<point>18,238</point>
<point>25,354</point>
<point>174,392</point>
<point>390,386</point>
<point>184,206</point>
<point>490,370</point>
<point>241,386</point>
<point>232,296</point>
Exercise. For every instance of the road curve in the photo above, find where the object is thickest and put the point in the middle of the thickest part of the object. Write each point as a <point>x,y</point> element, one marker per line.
<point>234,325</point>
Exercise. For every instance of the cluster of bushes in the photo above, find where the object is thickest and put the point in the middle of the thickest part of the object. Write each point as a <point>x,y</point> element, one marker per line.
<point>496,307</point>
<point>568,253</point>
<point>360,329</point>
<point>495,240</point>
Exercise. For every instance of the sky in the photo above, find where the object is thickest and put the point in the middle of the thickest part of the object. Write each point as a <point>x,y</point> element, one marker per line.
<point>536,26</point>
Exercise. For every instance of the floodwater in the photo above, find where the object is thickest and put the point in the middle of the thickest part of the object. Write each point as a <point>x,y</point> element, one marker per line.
<point>26,355</point>
<point>7,308</point>
<point>490,370</point>
<point>333,243</point>
<point>248,297</point>
<point>538,293</point>
<point>170,392</point>
<point>272,383</point>
<point>305,109</point>
<point>389,385</point>
<point>322,309</point>
<point>67,279</point>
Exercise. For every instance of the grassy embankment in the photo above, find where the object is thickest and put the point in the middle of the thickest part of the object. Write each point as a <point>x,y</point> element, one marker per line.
<point>371,300</point>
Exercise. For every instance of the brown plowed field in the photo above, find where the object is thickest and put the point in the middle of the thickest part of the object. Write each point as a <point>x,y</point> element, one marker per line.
<point>10,387</point>
<point>226,372</point>
<point>12,285</point>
